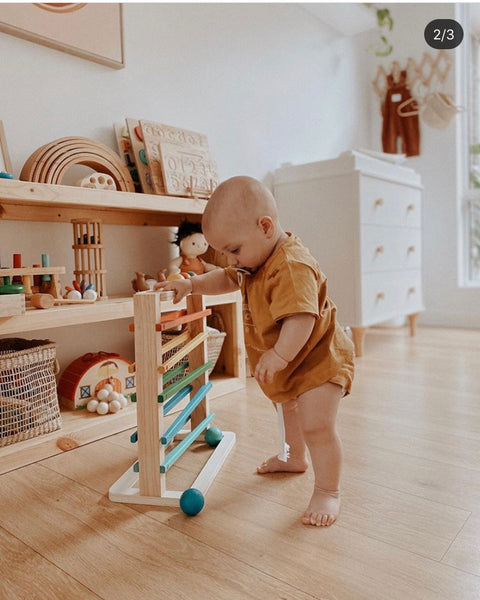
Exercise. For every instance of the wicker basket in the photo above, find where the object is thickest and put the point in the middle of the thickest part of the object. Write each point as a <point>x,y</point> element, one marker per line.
<point>215,341</point>
<point>28,391</point>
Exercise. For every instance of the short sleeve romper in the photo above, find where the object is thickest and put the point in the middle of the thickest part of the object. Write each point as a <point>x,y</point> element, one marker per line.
<point>291,282</point>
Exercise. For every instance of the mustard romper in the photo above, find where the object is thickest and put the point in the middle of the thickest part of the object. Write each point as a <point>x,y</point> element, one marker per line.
<point>290,282</point>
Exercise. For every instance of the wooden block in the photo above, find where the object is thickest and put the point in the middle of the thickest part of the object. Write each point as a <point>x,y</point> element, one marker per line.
<point>12,305</point>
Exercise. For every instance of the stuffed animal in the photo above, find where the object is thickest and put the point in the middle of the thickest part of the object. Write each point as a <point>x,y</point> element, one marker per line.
<point>192,244</point>
<point>142,282</point>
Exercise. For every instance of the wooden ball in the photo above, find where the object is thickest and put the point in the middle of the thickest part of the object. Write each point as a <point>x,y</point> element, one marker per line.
<point>102,408</point>
<point>92,406</point>
<point>114,406</point>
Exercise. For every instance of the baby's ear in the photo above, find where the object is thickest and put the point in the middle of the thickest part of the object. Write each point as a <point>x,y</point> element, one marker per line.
<point>266,223</point>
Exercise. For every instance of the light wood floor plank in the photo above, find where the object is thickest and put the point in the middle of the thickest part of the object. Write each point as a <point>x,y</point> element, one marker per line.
<point>465,550</point>
<point>256,521</point>
<point>411,489</point>
<point>24,573</point>
<point>118,552</point>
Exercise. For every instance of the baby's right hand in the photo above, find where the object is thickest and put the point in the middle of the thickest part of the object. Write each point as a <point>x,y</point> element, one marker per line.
<point>181,287</point>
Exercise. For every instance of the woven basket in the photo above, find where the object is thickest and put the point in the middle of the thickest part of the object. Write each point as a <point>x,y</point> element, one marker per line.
<point>28,390</point>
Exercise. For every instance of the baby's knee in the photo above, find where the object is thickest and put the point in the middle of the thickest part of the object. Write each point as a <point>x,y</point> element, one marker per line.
<point>320,428</point>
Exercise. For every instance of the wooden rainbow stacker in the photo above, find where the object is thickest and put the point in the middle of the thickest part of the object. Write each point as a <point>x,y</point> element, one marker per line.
<point>145,482</point>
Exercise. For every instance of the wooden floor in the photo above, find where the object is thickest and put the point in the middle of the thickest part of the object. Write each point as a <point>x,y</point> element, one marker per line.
<point>409,527</point>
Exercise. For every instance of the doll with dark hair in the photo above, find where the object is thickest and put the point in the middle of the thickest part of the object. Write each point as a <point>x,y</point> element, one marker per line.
<point>192,245</point>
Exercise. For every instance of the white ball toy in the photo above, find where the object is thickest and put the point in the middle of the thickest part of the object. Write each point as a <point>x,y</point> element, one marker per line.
<point>113,396</point>
<point>114,406</point>
<point>102,408</point>
<point>109,387</point>
<point>74,295</point>
<point>90,295</point>
<point>102,394</point>
<point>123,401</point>
<point>92,405</point>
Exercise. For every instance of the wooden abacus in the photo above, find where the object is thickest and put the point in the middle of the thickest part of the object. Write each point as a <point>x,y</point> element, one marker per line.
<point>88,253</point>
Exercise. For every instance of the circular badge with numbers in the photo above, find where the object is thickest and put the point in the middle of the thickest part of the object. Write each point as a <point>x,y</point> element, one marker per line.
<point>443,34</point>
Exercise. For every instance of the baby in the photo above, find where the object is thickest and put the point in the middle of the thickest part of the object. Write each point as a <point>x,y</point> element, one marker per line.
<point>297,351</point>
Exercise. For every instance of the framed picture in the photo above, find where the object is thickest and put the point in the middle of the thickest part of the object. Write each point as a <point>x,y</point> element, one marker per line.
<point>5,164</point>
<point>89,30</point>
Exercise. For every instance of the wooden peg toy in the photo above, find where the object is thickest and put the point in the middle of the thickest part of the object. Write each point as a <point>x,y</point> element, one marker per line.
<point>48,301</point>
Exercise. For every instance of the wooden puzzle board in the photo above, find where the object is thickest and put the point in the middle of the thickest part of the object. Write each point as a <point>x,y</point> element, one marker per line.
<point>179,159</point>
<point>138,149</point>
<point>188,171</point>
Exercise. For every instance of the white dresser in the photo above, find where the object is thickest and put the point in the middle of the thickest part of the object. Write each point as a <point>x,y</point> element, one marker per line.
<point>361,219</point>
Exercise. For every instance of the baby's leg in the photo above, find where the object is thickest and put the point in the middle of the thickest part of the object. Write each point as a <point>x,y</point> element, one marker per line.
<point>317,412</point>
<point>296,462</point>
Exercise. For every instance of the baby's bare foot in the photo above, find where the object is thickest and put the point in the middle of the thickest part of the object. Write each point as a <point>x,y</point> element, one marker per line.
<point>275,465</point>
<point>323,508</point>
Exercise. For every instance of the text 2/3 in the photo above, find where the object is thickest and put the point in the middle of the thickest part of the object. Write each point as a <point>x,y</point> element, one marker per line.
<point>443,34</point>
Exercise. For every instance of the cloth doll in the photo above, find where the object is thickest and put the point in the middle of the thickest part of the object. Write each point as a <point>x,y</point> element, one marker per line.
<point>192,245</point>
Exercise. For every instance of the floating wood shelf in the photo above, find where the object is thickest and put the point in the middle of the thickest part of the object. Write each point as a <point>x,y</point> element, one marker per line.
<point>27,201</point>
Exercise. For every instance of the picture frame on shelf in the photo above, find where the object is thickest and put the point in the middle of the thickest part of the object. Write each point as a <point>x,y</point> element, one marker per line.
<point>93,31</point>
<point>5,163</point>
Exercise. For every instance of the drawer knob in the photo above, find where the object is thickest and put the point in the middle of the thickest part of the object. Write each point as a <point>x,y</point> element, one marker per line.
<point>411,290</point>
<point>379,202</point>
<point>379,250</point>
<point>411,249</point>
<point>410,207</point>
<point>381,296</point>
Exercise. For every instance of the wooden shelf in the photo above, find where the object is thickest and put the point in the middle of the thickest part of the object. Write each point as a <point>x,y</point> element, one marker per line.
<point>102,310</point>
<point>27,201</point>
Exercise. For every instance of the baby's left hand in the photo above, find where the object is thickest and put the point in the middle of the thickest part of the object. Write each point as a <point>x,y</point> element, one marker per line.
<point>269,364</point>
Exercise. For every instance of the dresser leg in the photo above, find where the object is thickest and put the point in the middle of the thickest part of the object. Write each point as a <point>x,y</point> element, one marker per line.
<point>413,323</point>
<point>358,335</point>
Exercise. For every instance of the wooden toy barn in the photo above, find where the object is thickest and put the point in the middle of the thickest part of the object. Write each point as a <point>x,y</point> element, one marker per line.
<point>87,374</point>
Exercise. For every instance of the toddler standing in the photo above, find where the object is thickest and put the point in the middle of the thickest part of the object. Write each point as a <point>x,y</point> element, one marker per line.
<point>298,353</point>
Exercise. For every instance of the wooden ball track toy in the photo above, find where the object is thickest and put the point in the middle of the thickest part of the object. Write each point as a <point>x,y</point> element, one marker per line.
<point>49,163</point>
<point>145,482</point>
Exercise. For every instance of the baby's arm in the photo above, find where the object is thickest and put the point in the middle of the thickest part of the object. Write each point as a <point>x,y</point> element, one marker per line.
<point>213,282</point>
<point>294,334</point>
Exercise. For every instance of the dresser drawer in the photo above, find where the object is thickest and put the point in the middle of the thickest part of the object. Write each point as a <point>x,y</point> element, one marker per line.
<point>386,248</point>
<point>386,295</point>
<point>386,203</point>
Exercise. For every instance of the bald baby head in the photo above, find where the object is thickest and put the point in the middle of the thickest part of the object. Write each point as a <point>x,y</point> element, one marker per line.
<point>241,221</point>
<point>237,202</point>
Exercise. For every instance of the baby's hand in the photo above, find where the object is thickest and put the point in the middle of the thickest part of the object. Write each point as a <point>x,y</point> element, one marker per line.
<point>270,362</point>
<point>181,287</point>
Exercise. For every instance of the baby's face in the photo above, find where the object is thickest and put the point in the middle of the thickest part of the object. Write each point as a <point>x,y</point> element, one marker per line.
<point>244,247</point>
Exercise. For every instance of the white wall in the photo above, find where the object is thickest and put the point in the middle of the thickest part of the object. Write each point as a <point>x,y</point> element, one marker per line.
<point>267,83</point>
<point>447,304</point>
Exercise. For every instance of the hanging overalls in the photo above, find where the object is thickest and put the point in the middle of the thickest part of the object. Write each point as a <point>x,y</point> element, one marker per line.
<point>395,126</point>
